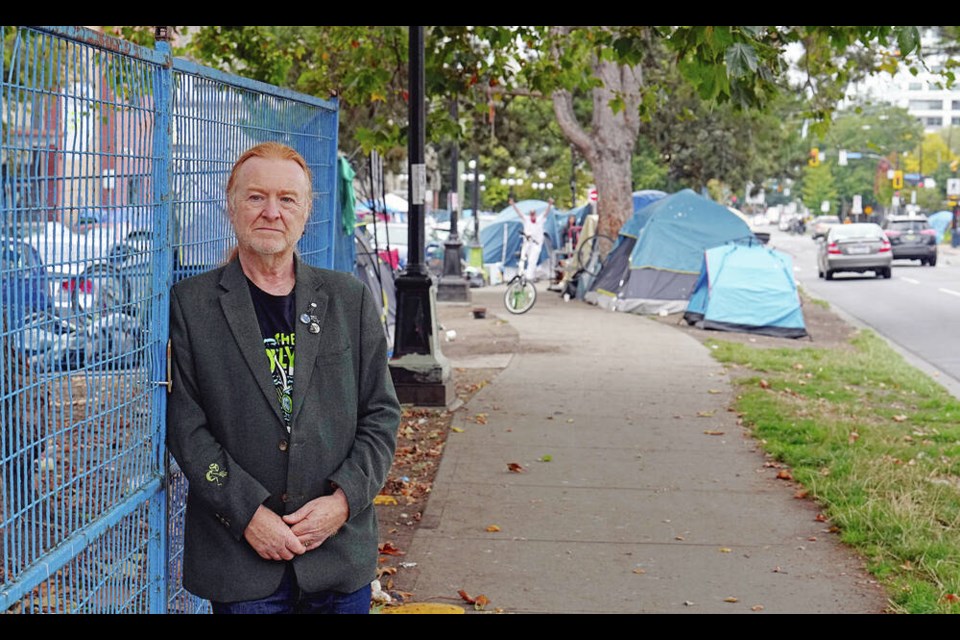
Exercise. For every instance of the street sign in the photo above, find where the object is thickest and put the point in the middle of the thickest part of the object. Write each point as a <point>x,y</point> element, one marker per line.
<point>953,186</point>
<point>857,205</point>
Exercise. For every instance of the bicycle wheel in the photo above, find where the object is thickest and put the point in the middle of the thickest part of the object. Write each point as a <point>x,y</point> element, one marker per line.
<point>519,296</point>
<point>593,252</point>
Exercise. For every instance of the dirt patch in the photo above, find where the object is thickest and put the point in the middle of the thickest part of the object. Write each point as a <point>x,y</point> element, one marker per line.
<point>826,330</point>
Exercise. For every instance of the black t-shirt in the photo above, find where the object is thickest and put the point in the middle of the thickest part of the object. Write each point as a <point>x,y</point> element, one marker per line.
<point>276,317</point>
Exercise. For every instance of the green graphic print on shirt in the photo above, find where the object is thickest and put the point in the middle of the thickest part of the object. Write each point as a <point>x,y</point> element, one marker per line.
<point>279,350</point>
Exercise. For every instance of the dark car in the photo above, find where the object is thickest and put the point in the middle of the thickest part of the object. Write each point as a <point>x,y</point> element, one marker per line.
<point>23,281</point>
<point>912,238</point>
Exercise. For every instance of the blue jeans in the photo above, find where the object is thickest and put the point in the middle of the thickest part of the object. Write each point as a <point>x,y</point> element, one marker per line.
<point>289,598</point>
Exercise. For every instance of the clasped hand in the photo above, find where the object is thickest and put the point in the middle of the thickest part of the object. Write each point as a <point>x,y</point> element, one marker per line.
<point>281,538</point>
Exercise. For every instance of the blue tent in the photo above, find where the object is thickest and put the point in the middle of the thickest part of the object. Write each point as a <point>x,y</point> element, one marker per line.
<point>646,196</point>
<point>502,238</point>
<point>749,288</point>
<point>940,221</point>
<point>665,261</point>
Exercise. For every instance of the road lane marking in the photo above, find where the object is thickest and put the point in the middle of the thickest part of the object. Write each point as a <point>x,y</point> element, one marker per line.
<point>951,292</point>
<point>910,280</point>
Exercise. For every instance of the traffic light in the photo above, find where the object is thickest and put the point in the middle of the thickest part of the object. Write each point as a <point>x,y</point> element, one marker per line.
<point>898,179</point>
<point>814,160</point>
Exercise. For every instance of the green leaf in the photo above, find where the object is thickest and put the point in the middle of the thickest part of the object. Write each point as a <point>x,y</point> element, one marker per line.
<point>546,458</point>
<point>741,60</point>
<point>908,39</point>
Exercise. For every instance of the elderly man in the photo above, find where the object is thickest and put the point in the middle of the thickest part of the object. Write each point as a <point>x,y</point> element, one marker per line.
<point>283,463</point>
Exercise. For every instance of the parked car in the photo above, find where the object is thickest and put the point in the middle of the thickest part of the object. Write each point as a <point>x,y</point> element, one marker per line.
<point>912,238</point>
<point>821,224</point>
<point>858,247</point>
<point>23,281</point>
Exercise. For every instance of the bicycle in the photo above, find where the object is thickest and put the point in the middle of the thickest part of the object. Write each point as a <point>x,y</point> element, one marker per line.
<point>592,253</point>
<point>520,295</point>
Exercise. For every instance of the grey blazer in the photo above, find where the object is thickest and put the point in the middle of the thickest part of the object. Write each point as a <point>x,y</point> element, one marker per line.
<point>226,431</point>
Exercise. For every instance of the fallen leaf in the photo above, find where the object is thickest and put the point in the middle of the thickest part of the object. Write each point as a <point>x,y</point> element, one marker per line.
<point>423,607</point>
<point>801,494</point>
<point>570,420</point>
<point>951,597</point>
<point>899,418</point>
<point>784,474</point>
<point>764,384</point>
<point>639,571</point>
<point>725,550</point>
<point>688,603</point>
<point>456,429</point>
<point>812,538</point>
<point>798,366</point>
<point>546,458</point>
<point>387,548</point>
<point>820,518</point>
<point>756,607</point>
<point>713,432</point>
<point>679,538</point>
<point>854,436</point>
<point>466,598</point>
<point>480,602</point>
<point>705,414</point>
<point>515,467</point>
<point>480,418</point>
<point>714,391</point>
<point>731,599</point>
<point>382,499</point>
<point>493,528</point>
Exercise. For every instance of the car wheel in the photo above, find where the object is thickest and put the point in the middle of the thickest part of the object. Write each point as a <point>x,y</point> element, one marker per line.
<point>887,273</point>
<point>828,274</point>
<point>932,261</point>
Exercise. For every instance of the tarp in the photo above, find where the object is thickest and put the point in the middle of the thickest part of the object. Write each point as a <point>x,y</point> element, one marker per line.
<point>748,288</point>
<point>665,261</point>
<point>940,221</point>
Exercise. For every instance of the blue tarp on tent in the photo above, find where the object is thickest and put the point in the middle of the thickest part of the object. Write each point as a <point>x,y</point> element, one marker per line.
<point>502,238</point>
<point>665,261</point>
<point>747,287</point>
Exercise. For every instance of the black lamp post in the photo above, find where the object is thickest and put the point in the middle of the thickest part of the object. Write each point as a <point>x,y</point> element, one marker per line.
<point>452,286</point>
<point>421,374</point>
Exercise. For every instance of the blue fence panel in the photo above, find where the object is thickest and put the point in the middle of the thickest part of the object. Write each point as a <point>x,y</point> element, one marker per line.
<point>114,162</point>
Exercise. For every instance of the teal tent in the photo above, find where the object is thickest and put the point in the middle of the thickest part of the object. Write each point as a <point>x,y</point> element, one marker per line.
<point>748,288</point>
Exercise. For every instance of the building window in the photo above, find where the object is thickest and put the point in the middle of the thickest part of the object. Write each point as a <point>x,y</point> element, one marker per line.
<point>954,121</point>
<point>955,105</point>
<point>930,105</point>
<point>933,122</point>
<point>915,86</point>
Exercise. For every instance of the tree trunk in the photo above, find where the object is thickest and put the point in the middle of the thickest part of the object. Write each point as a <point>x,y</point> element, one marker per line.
<point>608,147</point>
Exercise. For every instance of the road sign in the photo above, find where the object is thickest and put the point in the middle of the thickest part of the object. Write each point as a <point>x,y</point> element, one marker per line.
<point>857,204</point>
<point>593,195</point>
<point>953,186</point>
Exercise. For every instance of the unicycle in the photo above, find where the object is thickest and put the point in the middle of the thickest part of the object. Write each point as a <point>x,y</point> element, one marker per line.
<point>520,294</point>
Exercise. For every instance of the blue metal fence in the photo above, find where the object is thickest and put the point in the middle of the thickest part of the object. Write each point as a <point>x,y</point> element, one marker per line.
<point>114,161</point>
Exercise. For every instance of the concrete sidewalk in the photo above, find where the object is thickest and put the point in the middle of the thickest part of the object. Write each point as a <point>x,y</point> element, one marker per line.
<point>639,492</point>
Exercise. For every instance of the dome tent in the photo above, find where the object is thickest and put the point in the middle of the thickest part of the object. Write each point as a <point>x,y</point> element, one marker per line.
<point>749,288</point>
